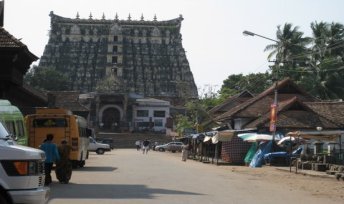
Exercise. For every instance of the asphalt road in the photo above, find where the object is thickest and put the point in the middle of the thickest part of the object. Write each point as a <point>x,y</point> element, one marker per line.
<point>127,176</point>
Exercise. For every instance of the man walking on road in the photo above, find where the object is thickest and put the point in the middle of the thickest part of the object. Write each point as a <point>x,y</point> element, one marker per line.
<point>145,146</point>
<point>52,155</point>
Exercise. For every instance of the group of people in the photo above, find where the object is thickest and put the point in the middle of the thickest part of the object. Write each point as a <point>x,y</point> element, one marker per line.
<point>144,145</point>
<point>58,155</point>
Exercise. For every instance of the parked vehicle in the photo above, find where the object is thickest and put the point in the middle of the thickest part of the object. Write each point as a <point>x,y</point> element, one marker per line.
<point>98,147</point>
<point>65,126</point>
<point>282,158</point>
<point>13,120</point>
<point>21,172</point>
<point>108,141</point>
<point>171,146</point>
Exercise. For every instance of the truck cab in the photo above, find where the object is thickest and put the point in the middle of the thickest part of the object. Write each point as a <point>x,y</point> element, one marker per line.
<point>21,172</point>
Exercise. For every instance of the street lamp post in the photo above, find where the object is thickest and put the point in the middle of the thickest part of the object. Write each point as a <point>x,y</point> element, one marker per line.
<point>275,102</point>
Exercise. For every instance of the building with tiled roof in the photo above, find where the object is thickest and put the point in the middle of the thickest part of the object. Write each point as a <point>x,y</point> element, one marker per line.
<point>68,100</point>
<point>334,111</point>
<point>259,105</point>
<point>293,115</point>
<point>230,103</point>
<point>15,61</point>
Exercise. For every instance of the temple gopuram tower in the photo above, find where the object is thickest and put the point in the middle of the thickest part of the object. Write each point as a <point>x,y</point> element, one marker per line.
<point>145,57</point>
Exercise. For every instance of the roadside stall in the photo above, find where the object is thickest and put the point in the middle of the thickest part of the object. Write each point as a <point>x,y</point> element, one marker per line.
<point>314,156</point>
<point>233,148</point>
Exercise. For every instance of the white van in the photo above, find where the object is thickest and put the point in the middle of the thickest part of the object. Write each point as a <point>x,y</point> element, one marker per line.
<point>98,147</point>
<point>21,172</point>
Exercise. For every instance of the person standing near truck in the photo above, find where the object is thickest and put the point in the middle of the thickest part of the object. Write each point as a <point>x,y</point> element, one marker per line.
<point>64,165</point>
<point>52,155</point>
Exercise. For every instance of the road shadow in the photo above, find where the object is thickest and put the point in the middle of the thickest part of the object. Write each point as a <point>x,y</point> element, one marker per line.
<point>108,191</point>
<point>96,168</point>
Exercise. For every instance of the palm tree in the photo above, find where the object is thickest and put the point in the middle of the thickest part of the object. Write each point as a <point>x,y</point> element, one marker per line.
<point>289,50</point>
<point>326,68</point>
<point>320,39</point>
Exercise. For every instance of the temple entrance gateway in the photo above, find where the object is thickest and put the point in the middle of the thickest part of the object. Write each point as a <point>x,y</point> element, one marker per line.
<point>110,118</point>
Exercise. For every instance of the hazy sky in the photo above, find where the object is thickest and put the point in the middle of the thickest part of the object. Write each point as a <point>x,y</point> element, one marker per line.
<point>211,30</point>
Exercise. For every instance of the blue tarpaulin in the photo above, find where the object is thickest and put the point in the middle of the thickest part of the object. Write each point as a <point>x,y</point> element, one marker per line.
<point>258,158</point>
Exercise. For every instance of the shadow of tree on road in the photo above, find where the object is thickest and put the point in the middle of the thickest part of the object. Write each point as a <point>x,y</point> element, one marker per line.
<point>109,191</point>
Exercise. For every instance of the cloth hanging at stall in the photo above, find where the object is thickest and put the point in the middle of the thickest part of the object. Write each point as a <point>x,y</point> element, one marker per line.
<point>223,136</point>
<point>330,135</point>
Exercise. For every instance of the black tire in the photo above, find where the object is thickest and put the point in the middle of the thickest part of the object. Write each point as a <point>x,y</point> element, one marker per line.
<point>100,151</point>
<point>82,163</point>
<point>161,149</point>
<point>173,151</point>
<point>75,164</point>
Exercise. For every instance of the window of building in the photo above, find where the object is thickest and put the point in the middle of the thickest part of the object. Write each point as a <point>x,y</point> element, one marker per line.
<point>114,71</point>
<point>115,38</point>
<point>159,114</point>
<point>114,49</point>
<point>142,113</point>
<point>114,59</point>
<point>158,122</point>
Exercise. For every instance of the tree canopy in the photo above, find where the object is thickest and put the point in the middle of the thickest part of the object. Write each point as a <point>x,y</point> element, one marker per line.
<point>47,79</point>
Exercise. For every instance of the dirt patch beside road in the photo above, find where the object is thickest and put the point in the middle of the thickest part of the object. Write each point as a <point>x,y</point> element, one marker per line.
<point>317,186</point>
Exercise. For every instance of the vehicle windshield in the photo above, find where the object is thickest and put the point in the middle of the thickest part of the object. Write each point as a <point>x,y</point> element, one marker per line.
<point>3,132</point>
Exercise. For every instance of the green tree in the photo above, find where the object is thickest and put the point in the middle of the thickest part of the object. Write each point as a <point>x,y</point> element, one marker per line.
<point>46,79</point>
<point>325,80</point>
<point>290,51</point>
<point>183,122</point>
<point>208,96</point>
<point>324,73</point>
<point>236,83</point>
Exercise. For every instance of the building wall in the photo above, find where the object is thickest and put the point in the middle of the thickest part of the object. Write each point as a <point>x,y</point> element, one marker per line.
<point>159,122</point>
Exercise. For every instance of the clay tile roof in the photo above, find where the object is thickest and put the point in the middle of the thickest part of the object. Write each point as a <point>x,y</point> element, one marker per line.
<point>294,114</point>
<point>7,41</point>
<point>260,104</point>
<point>231,102</point>
<point>333,111</point>
<point>69,100</point>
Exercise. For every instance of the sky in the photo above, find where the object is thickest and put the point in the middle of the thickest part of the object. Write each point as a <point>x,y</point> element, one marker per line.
<point>211,30</point>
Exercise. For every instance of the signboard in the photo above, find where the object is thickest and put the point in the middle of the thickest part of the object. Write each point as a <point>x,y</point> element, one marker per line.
<point>273,117</point>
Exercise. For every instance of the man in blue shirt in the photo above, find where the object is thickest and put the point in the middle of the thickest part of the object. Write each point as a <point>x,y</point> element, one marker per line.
<point>51,156</point>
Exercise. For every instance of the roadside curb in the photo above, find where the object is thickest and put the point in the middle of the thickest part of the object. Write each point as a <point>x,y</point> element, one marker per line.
<point>307,172</point>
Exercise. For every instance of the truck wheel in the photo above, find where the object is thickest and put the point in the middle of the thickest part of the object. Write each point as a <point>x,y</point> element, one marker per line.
<point>75,164</point>
<point>100,151</point>
<point>82,164</point>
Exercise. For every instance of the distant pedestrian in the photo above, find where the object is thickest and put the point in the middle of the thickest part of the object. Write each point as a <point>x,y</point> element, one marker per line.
<point>185,151</point>
<point>64,165</point>
<point>145,146</point>
<point>51,156</point>
<point>138,145</point>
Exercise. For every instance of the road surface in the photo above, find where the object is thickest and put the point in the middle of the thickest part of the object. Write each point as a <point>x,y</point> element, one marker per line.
<point>126,176</point>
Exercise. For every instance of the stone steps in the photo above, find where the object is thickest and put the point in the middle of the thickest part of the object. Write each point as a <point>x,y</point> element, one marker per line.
<point>127,140</point>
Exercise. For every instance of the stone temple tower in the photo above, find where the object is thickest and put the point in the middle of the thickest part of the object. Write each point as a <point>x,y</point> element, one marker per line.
<point>144,57</point>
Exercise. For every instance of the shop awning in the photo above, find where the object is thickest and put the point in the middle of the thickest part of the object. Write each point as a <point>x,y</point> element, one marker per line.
<point>320,135</point>
<point>223,136</point>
